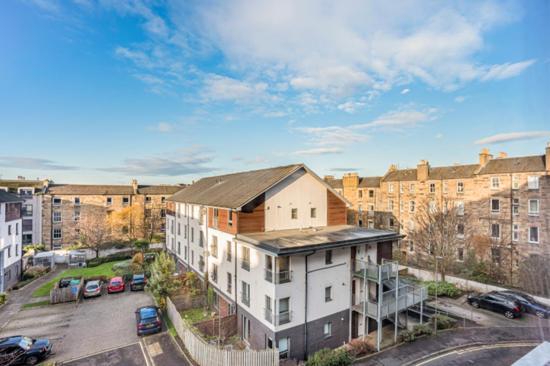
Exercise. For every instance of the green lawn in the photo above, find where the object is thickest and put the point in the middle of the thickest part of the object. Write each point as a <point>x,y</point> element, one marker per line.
<point>195,315</point>
<point>35,304</point>
<point>105,269</point>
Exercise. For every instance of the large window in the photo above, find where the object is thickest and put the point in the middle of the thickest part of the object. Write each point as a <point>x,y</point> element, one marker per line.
<point>411,206</point>
<point>495,231</point>
<point>284,348</point>
<point>460,187</point>
<point>313,212</point>
<point>534,234</point>
<point>56,216</point>
<point>229,282</point>
<point>214,247</point>
<point>533,207</point>
<point>284,311</point>
<point>228,251</point>
<point>328,293</point>
<point>214,273</point>
<point>245,293</point>
<point>57,233</point>
<point>432,187</point>
<point>495,205</point>
<point>495,182</point>
<point>245,261</point>
<point>515,206</point>
<point>515,232</point>
<point>533,182</point>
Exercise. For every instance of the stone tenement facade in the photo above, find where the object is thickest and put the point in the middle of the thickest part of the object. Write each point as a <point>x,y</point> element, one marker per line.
<point>65,207</point>
<point>506,201</point>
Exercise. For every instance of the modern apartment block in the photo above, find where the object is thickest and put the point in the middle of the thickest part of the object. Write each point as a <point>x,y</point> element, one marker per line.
<point>506,198</point>
<point>10,239</point>
<point>275,247</point>
<point>65,206</point>
<point>30,191</point>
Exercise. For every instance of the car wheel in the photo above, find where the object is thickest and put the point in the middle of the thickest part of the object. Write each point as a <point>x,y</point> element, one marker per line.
<point>540,314</point>
<point>33,360</point>
<point>475,304</point>
<point>509,315</point>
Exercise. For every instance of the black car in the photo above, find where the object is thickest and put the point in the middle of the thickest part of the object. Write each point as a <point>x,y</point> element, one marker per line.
<point>138,282</point>
<point>528,303</point>
<point>497,303</point>
<point>21,350</point>
<point>148,320</point>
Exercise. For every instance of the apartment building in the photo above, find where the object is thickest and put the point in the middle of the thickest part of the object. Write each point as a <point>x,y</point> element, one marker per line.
<point>275,247</point>
<point>66,206</point>
<point>30,191</point>
<point>10,239</point>
<point>506,199</point>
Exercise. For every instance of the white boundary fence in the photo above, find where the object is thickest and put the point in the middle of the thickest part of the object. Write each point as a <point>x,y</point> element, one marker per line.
<point>210,355</point>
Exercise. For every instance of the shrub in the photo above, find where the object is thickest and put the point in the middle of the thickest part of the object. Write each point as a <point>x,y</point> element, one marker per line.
<point>358,347</point>
<point>443,289</point>
<point>328,357</point>
<point>34,272</point>
<point>138,258</point>
<point>141,245</point>
<point>3,298</point>
<point>443,321</point>
<point>417,331</point>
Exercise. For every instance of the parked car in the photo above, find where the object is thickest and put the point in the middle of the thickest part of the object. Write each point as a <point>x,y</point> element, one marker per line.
<point>92,289</point>
<point>528,303</point>
<point>148,320</point>
<point>138,282</point>
<point>116,284</point>
<point>20,350</point>
<point>497,303</point>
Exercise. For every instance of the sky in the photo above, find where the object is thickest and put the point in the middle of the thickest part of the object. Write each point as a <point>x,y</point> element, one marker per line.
<point>103,91</point>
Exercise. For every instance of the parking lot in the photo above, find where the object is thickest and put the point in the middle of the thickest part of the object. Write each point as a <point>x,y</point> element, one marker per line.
<point>76,330</point>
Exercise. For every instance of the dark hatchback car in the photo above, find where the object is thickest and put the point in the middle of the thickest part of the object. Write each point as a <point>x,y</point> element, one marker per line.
<point>528,303</point>
<point>20,350</point>
<point>497,303</point>
<point>138,282</point>
<point>148,320</point>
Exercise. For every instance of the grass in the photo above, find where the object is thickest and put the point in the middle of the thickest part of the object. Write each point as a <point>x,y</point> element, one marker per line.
<point>31,305</point>
<point>195,315</point>
<point>171,328</point>
<point>105,269</point>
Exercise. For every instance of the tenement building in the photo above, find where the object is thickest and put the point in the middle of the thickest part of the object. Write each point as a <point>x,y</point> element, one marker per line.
<point>129,211</point>
<point>10,240</point>
<point>275,247</point>
<point>505,202</point>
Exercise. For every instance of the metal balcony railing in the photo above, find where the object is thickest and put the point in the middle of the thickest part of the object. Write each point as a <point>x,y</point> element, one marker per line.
<point>372,271</point>
<point>277,277</point>
<point>268,275</point>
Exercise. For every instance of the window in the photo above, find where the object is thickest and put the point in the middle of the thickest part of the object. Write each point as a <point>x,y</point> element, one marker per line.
<point>432,187</point>
<point>268,314</point>
<point>328,293</point>
<point>193,257</point>
<point>432,206</point>
<point>495,254</point>
<point>27,210</point>
<point>228,251</point>
<point>327,329</point>
<point>230,218</point>
<point>214,273</point>
<point>245,262</point>
<point>179,247</point>
<point>401,206</point>
<point>57,233</point>
<point>77,201</point>
<point>411,225</point>
<point>9,252</point>
<point>460,230</point>
<point>17,229</point>
<point>294,213</point>
<point>495,231</point>
<point>214,247</point>
<point>56,201</point>
<point>390,188</point>
<point>163,199</point>
<point>184,231</point>
<point>371,193</point>
<point>534,234</point>
<point>391,222</point>
<point>77,215</point>
<point>390,205</point>
<point>411,246</point>
<point>245,293</point>
<point>515,182</point>
<point>284,311</point>
<point>445,187</point>
<point>533,207</point>
<point>515,206</point>
<point>125,201</point>
<point>495,205</point>
<point>328,257</point>
<point>411,206</point>
<point>201,239</point>
<point>460,254</point>
<point>360,193</point>
<point>515,232</point>
<point>313,212</point>
<point>185,253</point>
<point>216,215</point>
<point>179,228</point>
<point>411,187</point>
<point>401,188</point>
<point>495,182</point>
<point>192,235</point>
<point>284,345</point>
<point>201,263</point>
<point>56,216</point>
<point>460,187</point>
<point>229,282</point>
<point>109,201</point>
<point>147,199</point>
<point>533,182</point>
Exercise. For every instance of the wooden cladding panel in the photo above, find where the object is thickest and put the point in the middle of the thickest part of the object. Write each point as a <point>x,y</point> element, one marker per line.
<point>336,210</point>
<point>251,222</point>
<point>223,220</point>
<point>384,250</point>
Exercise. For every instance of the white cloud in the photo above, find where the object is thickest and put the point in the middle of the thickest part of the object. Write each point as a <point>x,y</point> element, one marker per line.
<point>350,106</point>
<point>405,91</point>
<point>439,136</point>
<point>460,98</point>
<point>163,127</point>
<point>400,119</point>
<point>507,70</point>
<point>222,88</point>
<point>320,151</point>
<point>512,136</point>
<point>22,162</point>
<point>332,135</point>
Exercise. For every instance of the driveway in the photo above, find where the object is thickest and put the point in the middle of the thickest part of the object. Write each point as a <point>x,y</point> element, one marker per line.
<point>76,330</point>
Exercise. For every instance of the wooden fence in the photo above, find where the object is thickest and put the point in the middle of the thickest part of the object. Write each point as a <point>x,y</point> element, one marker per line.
<point>207,354</point>
<point>66,294</point>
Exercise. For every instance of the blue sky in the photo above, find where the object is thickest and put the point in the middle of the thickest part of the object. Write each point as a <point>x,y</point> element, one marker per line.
<point>169,91</point>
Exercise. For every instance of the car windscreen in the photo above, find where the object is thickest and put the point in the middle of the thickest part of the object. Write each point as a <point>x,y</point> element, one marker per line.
<point>25,343</point>
<point>148,313</point>
<point>116,283</point>
<point>92,287</point>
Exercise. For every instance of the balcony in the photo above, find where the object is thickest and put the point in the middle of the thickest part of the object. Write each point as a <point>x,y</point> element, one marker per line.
<point>277,277</point>
<point>408,296</point>
<point>373,271</point>
<point>283,318</point>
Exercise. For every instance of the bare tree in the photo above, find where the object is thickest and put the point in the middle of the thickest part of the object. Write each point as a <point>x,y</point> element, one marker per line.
<point>95,230</point>
<point>439,232</point>
<point>153,219</point>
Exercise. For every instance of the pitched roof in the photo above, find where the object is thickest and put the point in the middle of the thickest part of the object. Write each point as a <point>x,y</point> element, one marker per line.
<point>335,183</point>
<point>401,174</point>
<point>85,189</point>
<point>534,163</point>
<point>435,173</point>
<point>370,182</point>
<point>236,189</point>
<point>160,189</point>
<point>6,197</point>
<point>18,183</point>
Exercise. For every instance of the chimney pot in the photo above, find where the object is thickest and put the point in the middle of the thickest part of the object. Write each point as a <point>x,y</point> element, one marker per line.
<point>484,157</point>
<point>502,155</point>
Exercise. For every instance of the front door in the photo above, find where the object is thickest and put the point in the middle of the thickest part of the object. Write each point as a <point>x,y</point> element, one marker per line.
<point>354,324</point>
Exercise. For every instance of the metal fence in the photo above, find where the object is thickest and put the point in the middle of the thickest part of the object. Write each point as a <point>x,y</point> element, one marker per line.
<point>207,354</point>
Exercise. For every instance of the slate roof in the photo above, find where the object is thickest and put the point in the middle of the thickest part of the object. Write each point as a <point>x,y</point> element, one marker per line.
<point>534,163</point>
<point>6,197</point>
<point>294,241</point>
<point>160,189</point>
<point>435,173</point>
<point>101,189</point>
<point>236,189</point>
<point>399,175</point>
<point>335,183</point>
<point>370,182</point>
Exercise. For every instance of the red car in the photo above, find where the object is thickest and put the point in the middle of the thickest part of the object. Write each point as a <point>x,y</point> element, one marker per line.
<point>116,284</point>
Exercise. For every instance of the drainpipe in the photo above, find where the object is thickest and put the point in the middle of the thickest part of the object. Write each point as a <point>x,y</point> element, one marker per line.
<point>305,306</point>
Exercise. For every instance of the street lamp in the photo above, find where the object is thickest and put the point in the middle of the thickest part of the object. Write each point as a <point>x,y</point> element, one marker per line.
<point>437,258</point>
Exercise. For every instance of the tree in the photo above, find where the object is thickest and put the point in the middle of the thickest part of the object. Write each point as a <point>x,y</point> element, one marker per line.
<point>534,275</point>
<point>95,230</point>
<point>130,220</point>
<point>440,231</point>
<point>163,282</point>
<point>142,245</point>
<point>153,219</point>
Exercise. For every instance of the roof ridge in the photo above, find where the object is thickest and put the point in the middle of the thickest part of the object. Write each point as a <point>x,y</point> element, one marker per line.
<point>254,170</point>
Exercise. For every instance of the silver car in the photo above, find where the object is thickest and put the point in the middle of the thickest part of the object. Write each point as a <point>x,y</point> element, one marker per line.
<point>92,289</point>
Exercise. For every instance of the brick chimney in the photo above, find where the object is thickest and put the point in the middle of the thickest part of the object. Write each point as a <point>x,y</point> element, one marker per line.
<point>392,168</point>
<point>502,155</point>
<point>327,178</point>
<point>135,185</point>
<point>423,170</point>
<point>484,157</point>
<point>350,181</point>
<point>548,158</point>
